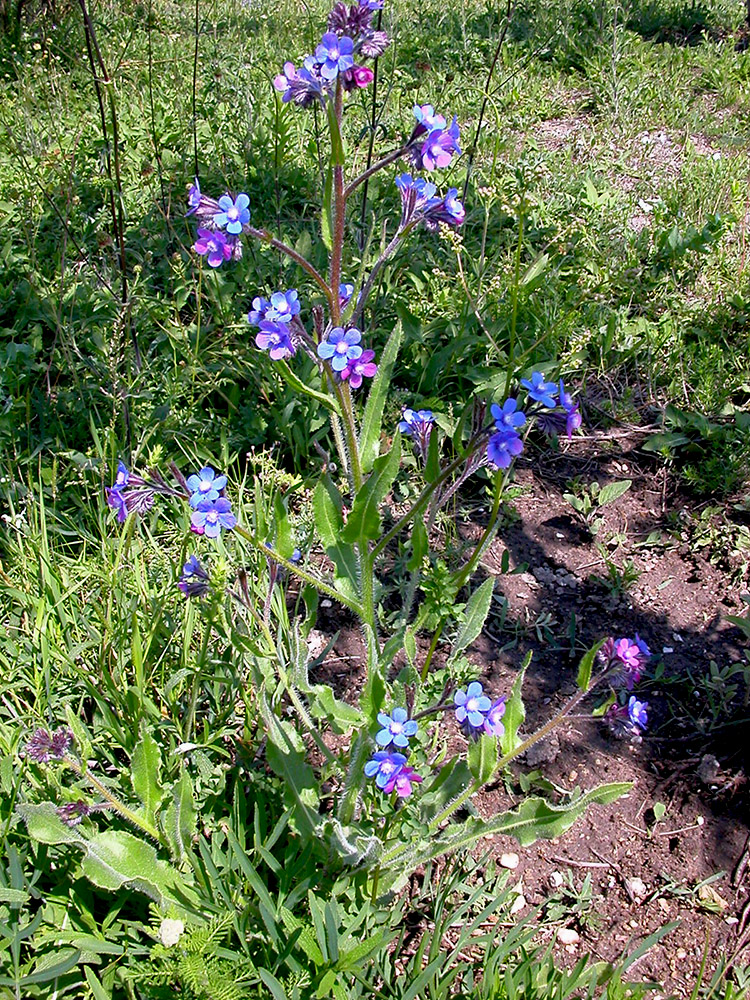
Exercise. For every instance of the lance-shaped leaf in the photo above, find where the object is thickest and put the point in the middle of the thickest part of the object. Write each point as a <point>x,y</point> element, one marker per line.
<point>477,609</point>
<point>586,665</point>
<point>363,523</point>
<point>145,773</point>
<point>178,819</point>
<point>482,758</point>
<point>372,419</point>
<point>286,755</point>
<point>330,524</point>
<point>515,713</point>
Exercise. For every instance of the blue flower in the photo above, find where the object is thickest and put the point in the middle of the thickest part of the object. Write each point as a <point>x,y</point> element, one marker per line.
<point>257,314</point>
<point>303,87</point>
<point>205,486</point>
<point>334,55</point>
<point>503,447</point>
<point>415,195</point>
<point>211,516</point>
<point>638,712</point>
<point>341,347</point>
<point>274,338</point>
<point>345,293</point>
<point>643,647</point>
<point>508,415</point>
<point>427,119</point>
<point>471,705</point>
<point>438,148</point>
<point>384,767</point>
<point>283,306</point>
<point>418,425</point>
<point>193,580</point>
<point>448,210</point>
<point>543,392</point>
<point>194,198</point>
<point>493,724</point>
<point>234,214</point>
<point>397,728</point>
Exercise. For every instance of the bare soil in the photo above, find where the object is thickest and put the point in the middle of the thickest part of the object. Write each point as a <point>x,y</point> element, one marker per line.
<point>644,872</point>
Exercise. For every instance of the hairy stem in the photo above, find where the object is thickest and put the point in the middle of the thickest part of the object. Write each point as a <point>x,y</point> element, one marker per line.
<point>265,237</point>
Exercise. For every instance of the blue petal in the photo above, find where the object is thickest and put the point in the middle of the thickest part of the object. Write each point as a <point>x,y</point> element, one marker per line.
<point>384,738</point>
<point>399,715</point>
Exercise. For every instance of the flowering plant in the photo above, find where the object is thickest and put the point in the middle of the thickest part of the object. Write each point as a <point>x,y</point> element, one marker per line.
<point>381,801</point>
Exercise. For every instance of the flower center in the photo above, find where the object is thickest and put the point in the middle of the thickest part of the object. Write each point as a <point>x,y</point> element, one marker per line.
<point>472,705</point>
<point>397,727</point>
<point>342,347</point>
<point>233,214</point>
<point>212,516</point>
<point>386,767</point>
<point>205,486</point>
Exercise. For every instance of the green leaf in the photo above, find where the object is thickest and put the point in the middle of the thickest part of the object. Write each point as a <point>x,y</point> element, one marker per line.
<point>482,758</point>
<point>115,859</point>
<point>44,825</point>
<point>373,692</point>
<point>372,419</point>
<point>330,402</point>
<point>285,753</point>
<point>452,779</point>
<point>284,543</point>
<point>45,975</point>
<point>326,215</point>
<point>277,990</point>
<point>13,896</point>
<point>410,646</point>
<point>325,705</point>
<point>613,491</point>
<point>585,667</point>
<point>515,713</point>
<point>477,609</point>
<point>145,773</point>
<point>363,523</point>
<point>419,546</point>
<point>329,523</point>
<point>178,819</point>
<point>535,270</point>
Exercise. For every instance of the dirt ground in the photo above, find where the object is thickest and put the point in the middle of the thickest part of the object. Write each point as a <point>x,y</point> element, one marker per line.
<point>624,871</point>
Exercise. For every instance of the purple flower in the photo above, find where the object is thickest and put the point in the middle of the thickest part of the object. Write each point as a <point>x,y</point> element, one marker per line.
<point>345,294</point>
<point>201,206</point>
<point>334,55</point>
<point>363,366</point>
<point>341,347</point>
<point>384,767</point>
<point>139,497</point>
<point>43,746</point>
<point>73,812</point>
<point>415,194</point>
<point>116,501</point>
<point>374,44</point>
<point>627,660</point>
<point>357,76</point>
<point>438,148</point>
<point>282,307</point>
<point>543,392</point>
<point>638,712</point>
<point>493,724</point>
<point>642,647</point>
<point>448,210</point>
<point>205,486</point>
<point>194,579</point>
<point>418,424</point>
<point>194,198</point>
<point>427,120</point>
<point>507,416</point>
<point>503,447</point>
<point>628,652</point>
<point>214,246</point>
<point>275,338</point>
<point>471,705</point>
<point>402,782</point>
<point>212,516</point>
<point>233,214</point>
<point>397,728</point>
<point>573,419</point>
<point>301,86</point>
<point>371,4</point>
<point>122,476</point>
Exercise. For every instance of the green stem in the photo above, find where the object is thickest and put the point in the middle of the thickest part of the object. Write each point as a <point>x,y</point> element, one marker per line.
<point>116,804</point>
<point>514,303</point>
<point>335,114</point>
<point>307,721</point>
<point>431,650</point>
<point>190,718</point>
<point>314,581</point>
<point>265,237</point>
<point>471,565</point>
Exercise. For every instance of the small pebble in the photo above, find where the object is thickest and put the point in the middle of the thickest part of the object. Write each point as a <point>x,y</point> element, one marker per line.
<point>325,603</point>
<point>566,935</point>
<point>518,904</point>
<point>668,649</point>
<point>555,879</point>
<point>638,887</point>
<point>510,861</point>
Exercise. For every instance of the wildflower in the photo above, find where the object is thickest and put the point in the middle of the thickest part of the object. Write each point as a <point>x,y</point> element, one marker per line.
<point>493,724</point>
<point>214,246</point>
<point>402,782</point>
<point>341,347</point>
<point>503,447</point>
<point>638,712</point>
<point>296,556</point>
<point>507,416</point>
<point>628,652</point>
<point>363,366</point>
<point>73,812</point>
<point>334,55</point>
<point>283,307</point>
<point>573,418</point>
<point>541,391</point>
<point>345,294</point>
<point>233,214</point>
<point>415,194</point>
<point>626,660</point>
<point>374,44</point>
<point>205,486</point>
<point>43,746</point>
<point>471,705</point>
<point>357,76</point>
<point>427,120</point>
<point>212,516</point>
<point>170,931</point>
<point>351,20</point>
<point>200,205</point>
<point>122,476</point>
<point>194,198</point>
<point>642,647</point>
<point>371,4</point>
<point>397,728</point>
<point>418,425</point>
<point>116,501</point>
<point>384,766</point>
<point>139,497</point>
<point>275,338</point>
<point>438,148</point>
<point>302,86</point>
<point>194,579</point>
<point>448,210</point>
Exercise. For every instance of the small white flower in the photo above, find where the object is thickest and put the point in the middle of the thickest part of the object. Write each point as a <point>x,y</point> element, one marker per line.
<point>170,932</point>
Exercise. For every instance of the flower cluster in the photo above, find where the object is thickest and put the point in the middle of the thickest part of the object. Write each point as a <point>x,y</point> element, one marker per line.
<point>44,746</point>
<point>129,494</point>
<point>220,224</point>
<point>556,411</point>
<point>212,512</point>
<point>432,143</point>
<point>419,203</point>
<point>341,349</point>
<point>388,766</point>
<point>418,425</point>
<point>476,714</point>
<point>628,720</point>
<point>625,659</point>
<point>194,580</point>
<point>350,36</point>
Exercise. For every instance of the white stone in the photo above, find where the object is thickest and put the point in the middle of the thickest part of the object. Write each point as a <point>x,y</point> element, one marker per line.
<point>638,887</point>
<point>510,861</point>
<point>566,936</point>
<point>518,904</point>
<point>556,879</point>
